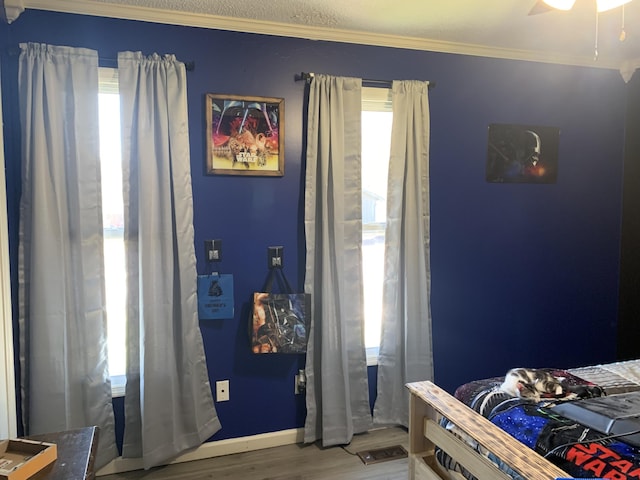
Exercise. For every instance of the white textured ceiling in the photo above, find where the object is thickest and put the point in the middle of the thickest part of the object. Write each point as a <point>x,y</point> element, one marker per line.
<point>501,28</point>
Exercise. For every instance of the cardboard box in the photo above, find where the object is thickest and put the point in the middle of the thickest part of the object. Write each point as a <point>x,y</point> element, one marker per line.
<point>20,459</point>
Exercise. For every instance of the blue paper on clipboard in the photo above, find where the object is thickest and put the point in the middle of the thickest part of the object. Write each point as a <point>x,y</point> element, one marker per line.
<point>215,296</point>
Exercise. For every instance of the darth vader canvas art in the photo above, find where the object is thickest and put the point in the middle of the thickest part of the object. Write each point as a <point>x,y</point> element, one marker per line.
<point>522,154</point>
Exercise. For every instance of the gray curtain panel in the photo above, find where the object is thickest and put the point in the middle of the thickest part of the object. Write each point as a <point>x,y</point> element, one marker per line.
<point>405,345</point>
<point>63,356</point>
<point>336,369</point>
<point>169,404</point>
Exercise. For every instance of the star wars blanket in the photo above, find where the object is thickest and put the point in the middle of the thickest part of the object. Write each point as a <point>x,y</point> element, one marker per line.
<point>579,451</point>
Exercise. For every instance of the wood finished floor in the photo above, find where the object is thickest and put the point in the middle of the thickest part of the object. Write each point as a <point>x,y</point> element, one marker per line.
<point>291,462</point>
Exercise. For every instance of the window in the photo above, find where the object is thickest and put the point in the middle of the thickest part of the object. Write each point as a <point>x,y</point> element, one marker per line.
<point>376,146</point>
<point>113,226</point>
<point>376,141</point>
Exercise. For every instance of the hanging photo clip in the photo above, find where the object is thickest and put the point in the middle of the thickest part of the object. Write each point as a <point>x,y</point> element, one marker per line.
<point>274,255</point>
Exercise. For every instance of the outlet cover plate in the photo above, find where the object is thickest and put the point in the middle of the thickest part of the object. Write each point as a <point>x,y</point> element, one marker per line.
<point>222,391</point>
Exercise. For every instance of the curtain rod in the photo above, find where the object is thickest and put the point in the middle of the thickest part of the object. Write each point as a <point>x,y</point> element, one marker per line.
<point>365,82</point>
<point>189,66</point>
<point>110,62</point>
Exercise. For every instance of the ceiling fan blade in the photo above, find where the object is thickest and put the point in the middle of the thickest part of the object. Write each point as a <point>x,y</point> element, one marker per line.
<point>540,7</point>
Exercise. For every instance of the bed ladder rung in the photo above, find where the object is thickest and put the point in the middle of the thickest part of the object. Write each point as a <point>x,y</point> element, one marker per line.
<point>473,461</point>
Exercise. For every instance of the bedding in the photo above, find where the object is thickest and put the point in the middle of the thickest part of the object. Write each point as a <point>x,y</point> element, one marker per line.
<point>614,378</point>
<point>578,450</point>
<point>428,404</point>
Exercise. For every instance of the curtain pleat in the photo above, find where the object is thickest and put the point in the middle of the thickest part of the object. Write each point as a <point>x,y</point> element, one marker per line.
<point>169,404</point>
<point>405,346</point>
<point>62,315</point>
<point>337,388</point>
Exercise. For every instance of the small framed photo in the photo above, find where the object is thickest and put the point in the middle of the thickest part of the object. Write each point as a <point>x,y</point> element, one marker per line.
<point>245,135</point>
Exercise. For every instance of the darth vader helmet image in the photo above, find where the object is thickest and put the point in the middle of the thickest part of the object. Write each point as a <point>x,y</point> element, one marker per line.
<point>522,153</point>
<point>533,147</point>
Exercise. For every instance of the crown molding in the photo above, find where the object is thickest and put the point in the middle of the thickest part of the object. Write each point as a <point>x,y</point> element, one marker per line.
<point>628,68</point>
<point>12,9</point>
<point>172,17</point>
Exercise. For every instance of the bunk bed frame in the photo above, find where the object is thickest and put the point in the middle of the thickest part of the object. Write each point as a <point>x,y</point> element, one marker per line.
<point>428,404</point>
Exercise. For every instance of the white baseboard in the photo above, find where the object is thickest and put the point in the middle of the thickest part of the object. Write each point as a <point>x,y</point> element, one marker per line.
<point>214,449</point>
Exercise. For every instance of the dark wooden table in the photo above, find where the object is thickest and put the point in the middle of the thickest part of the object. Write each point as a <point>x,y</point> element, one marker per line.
<point>76,454</point>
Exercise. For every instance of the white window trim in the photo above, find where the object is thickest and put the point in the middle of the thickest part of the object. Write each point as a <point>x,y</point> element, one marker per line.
<point>375,99</point>
<point>118,384</point>
<point>372,356</point>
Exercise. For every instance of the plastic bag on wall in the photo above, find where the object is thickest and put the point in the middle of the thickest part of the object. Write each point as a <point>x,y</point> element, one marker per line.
<point>215,296</point>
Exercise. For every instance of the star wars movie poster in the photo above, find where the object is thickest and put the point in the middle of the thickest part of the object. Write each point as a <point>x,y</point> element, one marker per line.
<point>245,135</point>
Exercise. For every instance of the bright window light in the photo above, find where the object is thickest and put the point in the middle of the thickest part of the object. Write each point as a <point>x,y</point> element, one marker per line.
<point>113,227</point>
<point>376,143</point>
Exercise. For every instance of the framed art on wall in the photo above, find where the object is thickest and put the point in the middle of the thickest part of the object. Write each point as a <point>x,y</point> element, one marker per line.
<point>522,154</point>
<point>245,135</point>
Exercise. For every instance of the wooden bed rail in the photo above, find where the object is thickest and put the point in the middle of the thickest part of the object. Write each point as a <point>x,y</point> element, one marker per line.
<point>428,404</point>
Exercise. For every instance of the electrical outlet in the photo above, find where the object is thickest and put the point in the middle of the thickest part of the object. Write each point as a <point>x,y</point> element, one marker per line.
<point>300,382</point>
<point>222,391</point>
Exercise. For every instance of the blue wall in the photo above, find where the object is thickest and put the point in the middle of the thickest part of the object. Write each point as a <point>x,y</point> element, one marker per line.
<point>522,274</point>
